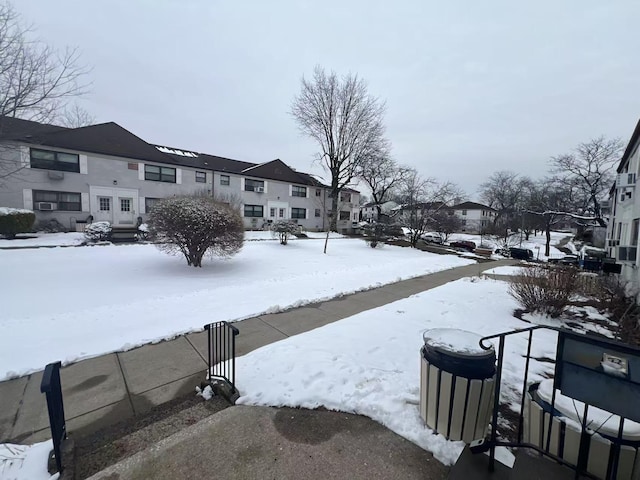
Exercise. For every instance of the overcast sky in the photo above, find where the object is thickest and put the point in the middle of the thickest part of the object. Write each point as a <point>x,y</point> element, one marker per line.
<point>471,87</point>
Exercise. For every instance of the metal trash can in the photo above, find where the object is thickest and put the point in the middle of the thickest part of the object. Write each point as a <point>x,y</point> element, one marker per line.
<point>456,383</point>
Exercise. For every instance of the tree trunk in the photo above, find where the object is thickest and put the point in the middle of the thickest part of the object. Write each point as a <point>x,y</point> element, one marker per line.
<point>326,240</point>
<point>547,231</point>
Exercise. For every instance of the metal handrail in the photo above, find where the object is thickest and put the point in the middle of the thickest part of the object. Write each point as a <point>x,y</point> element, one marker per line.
<point>52,388</point>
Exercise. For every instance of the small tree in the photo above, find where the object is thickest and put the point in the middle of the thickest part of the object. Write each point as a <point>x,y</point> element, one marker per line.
<point>195,226</point>
<point>283,230</point>
<point>374,233</point>
<point>445,223</point>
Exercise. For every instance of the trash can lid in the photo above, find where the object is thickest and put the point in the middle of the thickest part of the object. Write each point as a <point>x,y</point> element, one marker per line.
<point>454,342</point>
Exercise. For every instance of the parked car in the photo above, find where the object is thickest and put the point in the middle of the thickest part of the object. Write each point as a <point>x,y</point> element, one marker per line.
<point>521,253</point>
<point>432,238</point>
<point>463,245</point>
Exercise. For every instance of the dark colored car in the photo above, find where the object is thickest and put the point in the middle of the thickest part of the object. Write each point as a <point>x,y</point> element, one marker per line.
<point>464,245</point>
<point>521,253</point>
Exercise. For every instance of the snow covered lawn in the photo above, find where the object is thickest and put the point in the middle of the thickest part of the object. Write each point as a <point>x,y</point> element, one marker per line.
<point>44,240</point>
<point>370,363</point>
<point>71,303</point>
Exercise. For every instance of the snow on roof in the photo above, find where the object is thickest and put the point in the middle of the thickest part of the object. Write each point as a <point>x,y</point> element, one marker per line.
<point>177,151</point>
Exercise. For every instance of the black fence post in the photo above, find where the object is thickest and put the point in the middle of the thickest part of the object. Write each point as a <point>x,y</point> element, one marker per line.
<point>52,388</point>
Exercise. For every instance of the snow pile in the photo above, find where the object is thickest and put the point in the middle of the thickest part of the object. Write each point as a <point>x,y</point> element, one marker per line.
<point>509,270</point>
<point>206,393</point>
<point>369,363</point>
<point>13,211</point>
<point>129,295</point>
<point>25,462</point>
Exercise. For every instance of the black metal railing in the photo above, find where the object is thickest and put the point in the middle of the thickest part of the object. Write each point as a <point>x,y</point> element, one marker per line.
<point>222,352</point>
<point>52,388</point>
<point>581,465</point>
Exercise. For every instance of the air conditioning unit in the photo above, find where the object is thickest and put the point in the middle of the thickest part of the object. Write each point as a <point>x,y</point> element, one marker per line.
<point>47,206</point>
<point>626,180</point>
<point>258,189</point>
<point>53,175</point>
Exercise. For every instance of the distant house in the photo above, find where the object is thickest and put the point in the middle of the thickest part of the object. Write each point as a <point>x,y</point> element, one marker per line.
<point>476,216</point>
<point>104,172</point>
<point>403,213</point>
<point>369,211</point>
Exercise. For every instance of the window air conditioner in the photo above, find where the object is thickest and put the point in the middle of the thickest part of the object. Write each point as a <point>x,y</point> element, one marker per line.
<point>47,206</point>
<point>258,189</point>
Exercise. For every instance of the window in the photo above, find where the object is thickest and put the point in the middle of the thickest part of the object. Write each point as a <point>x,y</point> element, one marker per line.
<point>464,212</point>
<point>149,203</point>
<point>253,210</point>
<point>251,185</point>
<point>298,191</point>
<point>355,217</point>
<point>634,231</point>
<point>345,197</point>
<point>281,212</point>
<point>272,212</point>
<point>66,162</point>
<point>201,177</point>
<point>318,192</point>
<point>224,179</point>
<point>345,215</point>
<point>317,212</point>
<point>104,204</point>
<point>159,174</point>
<point>66,201</point>
<point>297,213</point>
<point>125,204</point>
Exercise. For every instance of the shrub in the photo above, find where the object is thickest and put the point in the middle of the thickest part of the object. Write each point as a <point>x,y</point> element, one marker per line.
<point>98,231</point>
<point>374,233</point>
<point>195,226</point>
<point>15,220</point>
<point>51,226</point>
<point>283,230</point>
<point>543,289</point>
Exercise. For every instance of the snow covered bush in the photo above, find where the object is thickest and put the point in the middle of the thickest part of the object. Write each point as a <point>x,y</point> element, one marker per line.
<point>546,290</point>
<point>15,220</point>
<point>98,231</point>
<point>283,230</point>
<point>195,226</point>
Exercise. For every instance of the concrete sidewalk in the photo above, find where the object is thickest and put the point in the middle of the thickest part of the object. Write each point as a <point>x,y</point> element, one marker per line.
<point>104,390</point>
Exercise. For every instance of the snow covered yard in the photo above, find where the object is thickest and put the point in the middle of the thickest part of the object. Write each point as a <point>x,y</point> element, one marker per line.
<point>369,363</point>
<point>72,303</point>
<point>42,239</point>
<point>25,462</point>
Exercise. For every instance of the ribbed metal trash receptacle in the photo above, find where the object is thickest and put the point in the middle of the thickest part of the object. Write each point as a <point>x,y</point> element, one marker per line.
<point>456,383</point>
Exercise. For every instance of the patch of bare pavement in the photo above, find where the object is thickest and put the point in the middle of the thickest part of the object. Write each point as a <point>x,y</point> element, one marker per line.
<point>243,442</point>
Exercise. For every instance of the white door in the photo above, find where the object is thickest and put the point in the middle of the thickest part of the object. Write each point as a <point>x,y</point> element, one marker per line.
<point>278,210</point>
<point>104,213</point>
<point>125,214</point>
<point>113,204</point>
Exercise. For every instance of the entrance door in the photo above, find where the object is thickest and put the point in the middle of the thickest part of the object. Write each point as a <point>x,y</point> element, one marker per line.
<point>278,210</point>
<point>105,209</point>
<point>125,214</point>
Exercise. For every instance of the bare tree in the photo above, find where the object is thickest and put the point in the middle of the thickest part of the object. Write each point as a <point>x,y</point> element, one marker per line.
<point>346,122</point>
<point>422,199</point>
<point>590,167</point>
<point>75,116</point>
<point>446,223</point>
<point>35,80</point>
<point>382,175</point>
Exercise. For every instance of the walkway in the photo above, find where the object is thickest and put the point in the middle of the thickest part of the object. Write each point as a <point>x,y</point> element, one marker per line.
<point>103,390</point>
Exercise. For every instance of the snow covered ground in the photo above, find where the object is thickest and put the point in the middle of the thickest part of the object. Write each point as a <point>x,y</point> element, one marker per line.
<point>72,303</point>
<point>44,240</point>
<point>25,462</point>
<point>370,363</point>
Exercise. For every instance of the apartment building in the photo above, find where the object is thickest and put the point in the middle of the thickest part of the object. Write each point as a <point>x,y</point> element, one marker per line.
<point>104,172</point>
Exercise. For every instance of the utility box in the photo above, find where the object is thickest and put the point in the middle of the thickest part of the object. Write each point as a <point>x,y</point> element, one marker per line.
<point>457,381</point>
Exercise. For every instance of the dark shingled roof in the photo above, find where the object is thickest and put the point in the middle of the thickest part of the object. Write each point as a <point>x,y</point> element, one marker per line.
<point>14,128</point>
<point>629,150</point>
<point>471,206</point>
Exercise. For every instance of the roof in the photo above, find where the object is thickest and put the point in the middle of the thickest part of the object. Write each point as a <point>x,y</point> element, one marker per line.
<point>630,146</point>
<point>103,138</point>
<point>472,206</point>
<point>13,128</point>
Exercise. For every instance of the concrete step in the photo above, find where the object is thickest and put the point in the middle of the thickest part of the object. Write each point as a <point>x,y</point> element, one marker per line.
<point>97,451</point>
<point>531,466</point>
<point>472,466</point>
